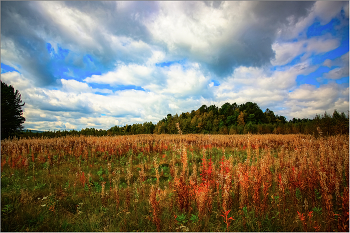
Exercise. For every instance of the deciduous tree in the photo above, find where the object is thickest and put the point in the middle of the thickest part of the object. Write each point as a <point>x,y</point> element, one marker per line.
<point>240,119</point>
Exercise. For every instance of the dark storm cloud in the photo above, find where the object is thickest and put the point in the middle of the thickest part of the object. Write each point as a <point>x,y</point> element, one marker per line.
<point>17,22</point>
<point>278,11</point>
<point>253,45</point>
<point>252,50</point>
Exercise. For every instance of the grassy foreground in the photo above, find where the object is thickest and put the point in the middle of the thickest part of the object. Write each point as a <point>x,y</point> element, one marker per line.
<point>176,183</point>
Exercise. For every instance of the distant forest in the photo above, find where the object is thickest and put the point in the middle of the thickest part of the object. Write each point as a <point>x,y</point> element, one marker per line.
<point>229,119</point>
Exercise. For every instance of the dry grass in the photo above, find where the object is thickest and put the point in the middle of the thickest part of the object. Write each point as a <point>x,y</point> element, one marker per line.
<point>126,183</point>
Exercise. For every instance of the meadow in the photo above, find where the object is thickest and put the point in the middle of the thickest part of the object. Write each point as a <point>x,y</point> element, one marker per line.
<point>176,183</point>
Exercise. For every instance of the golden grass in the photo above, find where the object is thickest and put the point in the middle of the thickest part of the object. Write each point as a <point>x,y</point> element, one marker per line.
<point>265,182</point>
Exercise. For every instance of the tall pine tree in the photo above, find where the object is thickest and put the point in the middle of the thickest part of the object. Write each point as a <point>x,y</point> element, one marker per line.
<point>11,111</point>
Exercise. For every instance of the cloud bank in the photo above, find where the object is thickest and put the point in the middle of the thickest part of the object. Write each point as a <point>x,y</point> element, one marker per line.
<point>99,64</point>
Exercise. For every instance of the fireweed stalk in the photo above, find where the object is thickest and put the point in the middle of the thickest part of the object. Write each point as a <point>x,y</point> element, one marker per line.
<point>227,219</point>
<point>184,162</point>
<point>109,166</point>
<point>155,207</point>
<point>142,179</point>
<point>183,193</point>
<point>156,168</point>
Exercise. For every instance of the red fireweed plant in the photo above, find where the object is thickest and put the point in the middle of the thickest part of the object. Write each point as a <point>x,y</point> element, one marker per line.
<point>226,220</point>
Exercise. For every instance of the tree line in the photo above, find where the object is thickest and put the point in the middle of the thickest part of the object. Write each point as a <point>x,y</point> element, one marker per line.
<point>228,119</point>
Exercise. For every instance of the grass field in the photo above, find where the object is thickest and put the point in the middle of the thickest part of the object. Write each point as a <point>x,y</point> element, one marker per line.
<point>176,183</point>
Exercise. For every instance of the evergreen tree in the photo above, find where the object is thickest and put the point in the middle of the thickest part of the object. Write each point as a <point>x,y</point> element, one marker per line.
<point>11,111</point>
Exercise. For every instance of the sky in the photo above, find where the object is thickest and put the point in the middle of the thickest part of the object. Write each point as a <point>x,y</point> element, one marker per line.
<point>99,64</point>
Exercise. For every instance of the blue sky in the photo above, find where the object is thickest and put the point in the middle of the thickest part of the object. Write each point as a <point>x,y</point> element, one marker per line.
<point>98,64</point>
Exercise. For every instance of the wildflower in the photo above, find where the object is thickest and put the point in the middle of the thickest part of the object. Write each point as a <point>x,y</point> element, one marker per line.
<point>310,214</point>
<point>226,220</point>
